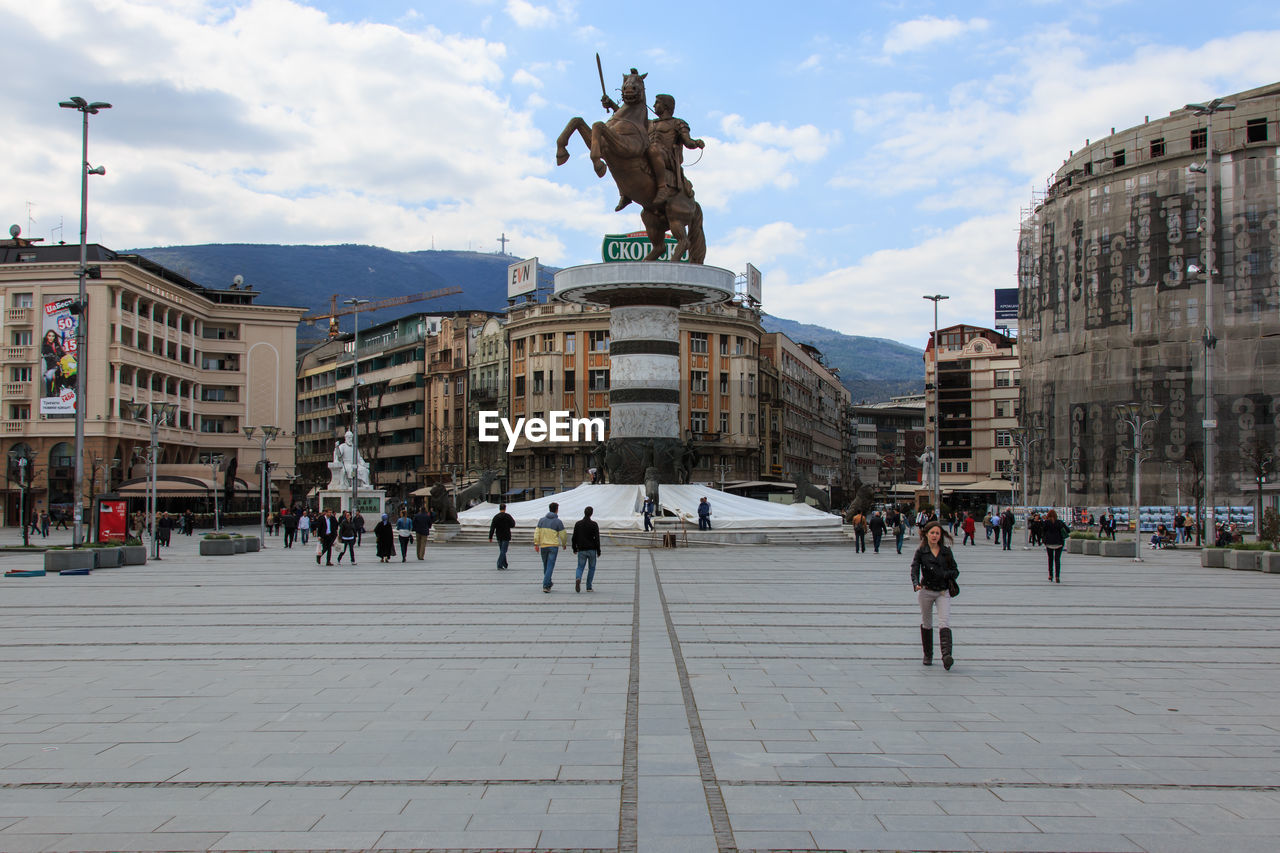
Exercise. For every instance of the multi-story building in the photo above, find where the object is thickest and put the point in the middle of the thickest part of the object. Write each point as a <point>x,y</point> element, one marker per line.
<point>411,401</point>
<point>1114,305</point>
<point>816,433</point>
<point>559,357</point>
<point>224,361</point>
<point>489,390</point>
<point>972,378</point>
<point>884,430</point>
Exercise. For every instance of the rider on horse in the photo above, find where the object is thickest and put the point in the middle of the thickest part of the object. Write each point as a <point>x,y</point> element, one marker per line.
<point>668,137</point>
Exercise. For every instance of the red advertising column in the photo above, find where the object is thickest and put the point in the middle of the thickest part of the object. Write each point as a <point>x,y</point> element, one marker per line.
<point>111,521</point>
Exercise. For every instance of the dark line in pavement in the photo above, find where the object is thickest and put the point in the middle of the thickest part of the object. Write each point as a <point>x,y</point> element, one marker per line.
<point>629,801</point>
<point>721,827</point>
<point>306,783</point>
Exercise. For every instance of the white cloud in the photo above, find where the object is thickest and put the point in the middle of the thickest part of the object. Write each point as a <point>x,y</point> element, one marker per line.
<point>879,296</point>
<point>812,63</point>
<point>529,16</point>
<point>754,156</point>
<point>759,246</point>
<point>922,32</point>
<point>524,78</point>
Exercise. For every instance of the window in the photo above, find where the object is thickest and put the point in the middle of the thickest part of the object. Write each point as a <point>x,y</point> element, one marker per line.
<point>1117,159</point>
<point>698,421</point>
<point>214,395</point>
<point>519,347</point>
<point>698,342</point>
<point>1002,379</point>
<point>1004,439</point>
<point>962,467</point>
<point>211,425</point>
<point>724,383</point>
<point>598,380</point>
<point>1255,130</point>
<point>724,422</point>
<point>570,381</point>
<point>739,345</point>
<point>751,384</point>
<point>570,341</point>
<point>549,462</point>
<point>598,341</point>
<point>20,374</point>
<point>19,412</point>
<point>21,338</point>
<point>724,344</point>
<point>22,300</point>
<point>1157,148</point>
<point>944,467</point>
<point>1088,167</point>
<point>602,414</point>
<point>519,392</point>
<point>698,381</point>
<point>751,423</point>
<point>1199,139</point>
<point>539,384</point>
<point>549,342</point>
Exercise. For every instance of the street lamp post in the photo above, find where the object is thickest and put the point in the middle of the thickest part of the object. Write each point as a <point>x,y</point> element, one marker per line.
<point>1138,416</point>
<point>723,469</point>
<point>355,303</point>
<point>937,407</point>
<point>1024,437</point>
<point>86,109</point>
<point>21,456</point>
<point>1217,105</point>
<point>215,462</point>
<point>155,414</point>
<point>268,434</point>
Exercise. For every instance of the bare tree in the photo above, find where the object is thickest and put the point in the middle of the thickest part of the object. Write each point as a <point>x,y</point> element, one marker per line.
<point>1258,461</point>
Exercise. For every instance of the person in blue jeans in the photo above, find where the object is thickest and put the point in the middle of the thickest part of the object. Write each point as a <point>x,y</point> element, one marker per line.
<point>586,544</point>
<point>548,538</point>
<point>500,527</point>
<point>704,514</point>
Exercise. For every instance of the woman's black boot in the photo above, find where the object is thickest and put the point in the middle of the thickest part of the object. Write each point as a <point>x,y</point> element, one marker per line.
<point>944,634</point>
<point>926,640</point>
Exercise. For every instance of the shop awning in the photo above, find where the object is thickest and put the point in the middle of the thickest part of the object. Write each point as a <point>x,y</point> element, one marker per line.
<point>982,486</point>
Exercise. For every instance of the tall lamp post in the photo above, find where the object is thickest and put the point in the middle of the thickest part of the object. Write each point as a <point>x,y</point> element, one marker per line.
<point>215,463</point>
<point>22,457</point>
<point>1065,464</point>
<point>1217,105</point>
<point>155,414</point>
<point>355,303</point>
<point>937,407</point>
<point>1024,437</point>
<point>1138,416</point>
<point>86,109</point>
<point>268,434</point>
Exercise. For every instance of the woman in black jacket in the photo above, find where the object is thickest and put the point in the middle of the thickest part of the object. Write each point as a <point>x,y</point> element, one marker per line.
<point>932,570</point>
<point>1054,535</point>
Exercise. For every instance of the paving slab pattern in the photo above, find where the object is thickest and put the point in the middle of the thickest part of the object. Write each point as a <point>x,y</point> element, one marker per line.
<point>707,699</point>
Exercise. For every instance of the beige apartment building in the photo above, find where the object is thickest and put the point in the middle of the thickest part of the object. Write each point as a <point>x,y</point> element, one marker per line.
<point>412,401</point>
<point>224,361</point>
<point>972,381</point>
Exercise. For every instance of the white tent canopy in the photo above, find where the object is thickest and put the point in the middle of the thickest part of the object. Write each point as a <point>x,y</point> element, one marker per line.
<point>616,507</point>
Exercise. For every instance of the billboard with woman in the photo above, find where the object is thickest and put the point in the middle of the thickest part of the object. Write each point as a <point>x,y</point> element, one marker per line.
<point>58,357</point>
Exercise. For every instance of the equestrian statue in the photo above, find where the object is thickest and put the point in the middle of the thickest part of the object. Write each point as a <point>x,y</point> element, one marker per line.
<point>646,158</point>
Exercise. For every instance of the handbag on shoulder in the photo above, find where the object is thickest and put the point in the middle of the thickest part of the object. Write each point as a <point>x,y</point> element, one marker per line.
<point>953,589</point>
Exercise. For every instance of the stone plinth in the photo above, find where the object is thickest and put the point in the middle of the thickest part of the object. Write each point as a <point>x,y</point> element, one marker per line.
<point>644,300</point>
<point>370,502</point>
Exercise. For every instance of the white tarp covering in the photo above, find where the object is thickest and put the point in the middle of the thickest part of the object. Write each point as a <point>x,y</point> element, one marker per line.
<point>616,507</point>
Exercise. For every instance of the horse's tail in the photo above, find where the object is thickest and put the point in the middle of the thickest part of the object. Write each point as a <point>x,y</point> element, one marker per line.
<point>697,239</point>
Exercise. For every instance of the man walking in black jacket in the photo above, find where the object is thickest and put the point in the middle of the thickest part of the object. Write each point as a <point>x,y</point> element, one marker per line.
<point>327,529</point>
<point>422,529</point>
<point>500,527</point>
<point>586,544</point>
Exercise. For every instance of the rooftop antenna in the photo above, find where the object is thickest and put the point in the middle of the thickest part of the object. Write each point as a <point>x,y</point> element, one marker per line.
<point>30,219</point>
<point>237,282</point>
<point>58,228</point>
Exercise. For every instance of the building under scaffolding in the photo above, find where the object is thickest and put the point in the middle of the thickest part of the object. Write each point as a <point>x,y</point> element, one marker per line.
<point>1111,307</point>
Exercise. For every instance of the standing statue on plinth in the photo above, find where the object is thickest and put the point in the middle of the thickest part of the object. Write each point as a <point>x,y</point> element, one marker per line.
<point>646,160</point>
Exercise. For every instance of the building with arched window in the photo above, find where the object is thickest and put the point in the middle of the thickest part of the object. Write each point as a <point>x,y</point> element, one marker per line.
<point>153,336</point>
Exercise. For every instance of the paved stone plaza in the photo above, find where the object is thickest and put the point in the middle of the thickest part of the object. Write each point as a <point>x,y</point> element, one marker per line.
<point>705,699</point>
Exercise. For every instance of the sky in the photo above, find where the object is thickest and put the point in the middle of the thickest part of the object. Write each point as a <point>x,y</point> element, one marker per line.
<point>859,154</point>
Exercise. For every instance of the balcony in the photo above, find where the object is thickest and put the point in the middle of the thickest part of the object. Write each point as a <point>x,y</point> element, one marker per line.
<point>19,316</point>
<point>19,354</point>
<point>16,427</point>
<point>15,390</point>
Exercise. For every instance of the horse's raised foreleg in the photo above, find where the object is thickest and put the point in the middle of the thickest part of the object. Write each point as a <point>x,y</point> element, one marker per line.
<point>602,141</point>
<point>575,123</point>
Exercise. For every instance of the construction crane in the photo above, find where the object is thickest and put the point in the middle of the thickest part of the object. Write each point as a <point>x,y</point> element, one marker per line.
<point>335,312</point>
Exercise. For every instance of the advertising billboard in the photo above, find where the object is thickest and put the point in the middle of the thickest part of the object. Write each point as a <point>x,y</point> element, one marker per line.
<point>1007,306</point>
<point>633,247</point>
<point>522,278</point>
<point>58,357</point>
<point>754,280</point>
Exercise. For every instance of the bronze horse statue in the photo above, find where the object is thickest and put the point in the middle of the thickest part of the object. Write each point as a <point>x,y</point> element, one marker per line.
<point>621,146</point>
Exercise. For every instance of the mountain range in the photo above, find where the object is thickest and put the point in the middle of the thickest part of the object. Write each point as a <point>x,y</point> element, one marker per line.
<point>305,276</point>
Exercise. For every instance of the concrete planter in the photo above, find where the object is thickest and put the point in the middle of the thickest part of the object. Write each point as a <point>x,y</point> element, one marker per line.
<point>80,558</point>
<point>217,547</point>
<point>1244,561</point>
<point>1213,558</point>
<point>239,545</point>
<point>1075,546</point>
<point>1118,549</point>
<point>106,558</point>
<point>133,555</point>
<point>1270,562</point>
<point>252,544</point>
<point>1092,547</point>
